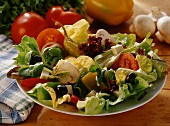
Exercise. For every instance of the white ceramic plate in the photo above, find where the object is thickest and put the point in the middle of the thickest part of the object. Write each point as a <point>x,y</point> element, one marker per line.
<point>124,106</point>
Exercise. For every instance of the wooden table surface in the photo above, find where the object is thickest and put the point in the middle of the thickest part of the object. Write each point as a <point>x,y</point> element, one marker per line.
<point>154,113</point>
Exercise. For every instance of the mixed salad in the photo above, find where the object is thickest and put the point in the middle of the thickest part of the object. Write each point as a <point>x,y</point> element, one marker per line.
<point>90,71</point>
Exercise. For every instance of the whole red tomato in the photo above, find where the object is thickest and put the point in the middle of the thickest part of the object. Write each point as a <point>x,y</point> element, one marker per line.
<point>57,14</point>
<point>28,23</point>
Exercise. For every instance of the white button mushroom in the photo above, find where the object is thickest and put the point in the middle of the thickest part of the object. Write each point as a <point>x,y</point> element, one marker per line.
<point>163,26</point>
<point>141,25</point>
<point>65,66</point>
<point>104,35</point>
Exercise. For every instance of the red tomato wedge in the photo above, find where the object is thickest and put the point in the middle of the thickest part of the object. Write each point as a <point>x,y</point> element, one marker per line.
<point>74,99</point>
<point>31,82</point>
<point>50,35</point>
<point>126,60</point>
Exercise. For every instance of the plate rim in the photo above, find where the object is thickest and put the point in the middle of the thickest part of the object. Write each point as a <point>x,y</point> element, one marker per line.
<point>163,80</point>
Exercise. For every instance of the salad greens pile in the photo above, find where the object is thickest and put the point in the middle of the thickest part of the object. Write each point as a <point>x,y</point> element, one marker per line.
<point>94,81</point>
<point>10,9</point>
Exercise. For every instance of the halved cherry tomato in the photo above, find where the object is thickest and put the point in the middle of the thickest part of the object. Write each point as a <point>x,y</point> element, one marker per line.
<point>126,60</point>
<point>57,14</point>
<point>50,35</point>
<point>28,23</point>
<point>74,99</point>
<point>31,82</point>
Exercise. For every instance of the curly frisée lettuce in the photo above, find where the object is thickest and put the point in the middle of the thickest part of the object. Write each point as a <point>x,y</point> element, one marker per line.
<point>17,7</point>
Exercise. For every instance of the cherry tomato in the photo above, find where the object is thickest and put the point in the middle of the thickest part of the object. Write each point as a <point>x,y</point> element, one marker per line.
<point>28,23</point>
<point>50,35</point>
<point>126,60</point>
<point>74,99</point>
<point>31,82</point>
<point>57,14</point>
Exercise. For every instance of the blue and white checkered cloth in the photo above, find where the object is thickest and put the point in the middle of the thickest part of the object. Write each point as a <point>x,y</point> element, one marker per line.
<point>14,105</point>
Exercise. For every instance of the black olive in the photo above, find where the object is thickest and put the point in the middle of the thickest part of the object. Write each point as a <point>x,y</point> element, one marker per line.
<point>35,59</point>
<point>61,90</point>
<point>131,78</point>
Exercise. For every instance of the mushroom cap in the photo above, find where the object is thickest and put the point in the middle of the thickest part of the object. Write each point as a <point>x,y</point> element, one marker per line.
<point>143,24</point>
<point>64,65</point>
<point>163,26</point>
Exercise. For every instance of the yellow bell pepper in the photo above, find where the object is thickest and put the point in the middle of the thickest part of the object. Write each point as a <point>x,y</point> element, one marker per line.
<point>111,12</point>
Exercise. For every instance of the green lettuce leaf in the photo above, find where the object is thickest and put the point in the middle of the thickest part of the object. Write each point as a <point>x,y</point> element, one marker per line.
<point>141,84</point>
<point>107,58</point>
<point>123,94</point>
<point>121,74</point>
<point>161,67</point>
<point>26,48</point>
<point>92,105</point>
<point>127,40</point>
<point>144,63</point>
<point>32,70</point>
